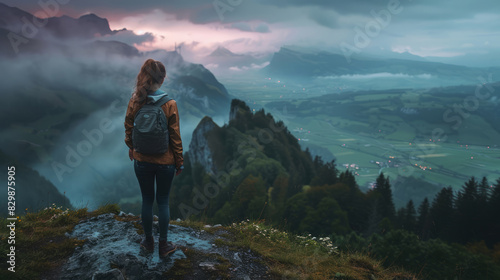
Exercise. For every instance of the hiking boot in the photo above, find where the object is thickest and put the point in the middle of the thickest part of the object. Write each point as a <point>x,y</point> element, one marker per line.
<point>148,244</point>
<point>166,248</point>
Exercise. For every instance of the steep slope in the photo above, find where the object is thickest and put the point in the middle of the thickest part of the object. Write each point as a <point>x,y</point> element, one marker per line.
<point>32,191</point>
<point>199,150</point>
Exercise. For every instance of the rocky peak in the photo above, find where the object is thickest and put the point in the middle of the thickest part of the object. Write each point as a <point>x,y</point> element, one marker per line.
<point>171,59</point>
<point>95,23</point>
<point>222,52</point>
<point>199,151</point>
<point>85,27</point>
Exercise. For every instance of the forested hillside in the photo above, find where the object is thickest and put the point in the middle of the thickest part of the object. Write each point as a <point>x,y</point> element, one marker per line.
<point>258,171</point>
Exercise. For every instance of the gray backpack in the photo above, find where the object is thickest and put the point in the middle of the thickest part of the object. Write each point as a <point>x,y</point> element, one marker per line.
<point>150,134</point>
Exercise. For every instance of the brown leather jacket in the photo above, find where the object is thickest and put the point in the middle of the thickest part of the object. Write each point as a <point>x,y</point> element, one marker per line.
<point>174,153</point>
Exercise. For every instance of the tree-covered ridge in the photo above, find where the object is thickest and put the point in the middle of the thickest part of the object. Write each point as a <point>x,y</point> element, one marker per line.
<point>262,173</point>
<point>254,156</point>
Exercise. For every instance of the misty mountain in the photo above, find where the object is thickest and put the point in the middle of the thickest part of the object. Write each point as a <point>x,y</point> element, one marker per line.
<point>193,83</point>
<point>109,48</point>
<point>321,64</point>
<point>25,33</point>
<point>77,44</point>
<point>60,85</point>
<point>86,26</point>
<point>473,60</point>
<point>368,55</point>
<point>391,55</point>
<point>86,30</point>
<point>32,46</point>
<point>223,60</point>
<point>64,27</point>
<point>81,38</point>
<point>221,52</point>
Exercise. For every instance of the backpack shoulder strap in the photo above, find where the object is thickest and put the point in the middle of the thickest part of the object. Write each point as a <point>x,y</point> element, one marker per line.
<point>162,101</point>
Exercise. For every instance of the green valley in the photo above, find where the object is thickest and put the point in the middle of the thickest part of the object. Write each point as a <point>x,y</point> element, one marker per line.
<point>427,134</point>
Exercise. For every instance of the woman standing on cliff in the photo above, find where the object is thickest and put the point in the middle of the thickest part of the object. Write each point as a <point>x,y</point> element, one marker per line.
<point>150,167</point>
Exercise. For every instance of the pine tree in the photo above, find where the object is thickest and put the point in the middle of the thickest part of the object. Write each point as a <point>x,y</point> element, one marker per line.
<point>467,226</point>
<point>442,214</point>
<point>373,219</point>
<point>355,202</point>
<point>493,221</point>
<point>326,174</point>
<point>482,207</point>
<point>347,177</point>
<point>423,221</point>
<point>410,216</point>
<point>484,190</point>
<point>495,196</point>
<point>401,218</point>
<point>386,204</point>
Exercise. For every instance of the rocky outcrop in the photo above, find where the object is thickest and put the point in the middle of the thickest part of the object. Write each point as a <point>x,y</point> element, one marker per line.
<point>239,110</point>
<point>199,151</point>
<point>112,251</point>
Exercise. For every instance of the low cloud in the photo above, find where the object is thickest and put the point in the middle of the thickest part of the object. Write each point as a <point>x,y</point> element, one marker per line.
<point>130,37</point>
<point>243,26</point>
<point>248,27</point>
<point>262,28</point>
<point>252,66</point>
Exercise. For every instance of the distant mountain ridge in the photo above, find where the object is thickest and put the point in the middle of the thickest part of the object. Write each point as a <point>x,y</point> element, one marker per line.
<point>319,64</point>
<point>224,59</point>
<point>85,27</point>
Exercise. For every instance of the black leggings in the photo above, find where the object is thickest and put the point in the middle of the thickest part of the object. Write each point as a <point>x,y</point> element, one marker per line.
<point>146,174</point>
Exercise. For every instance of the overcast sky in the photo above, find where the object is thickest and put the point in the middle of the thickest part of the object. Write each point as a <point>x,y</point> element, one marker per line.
<point>443,28</point>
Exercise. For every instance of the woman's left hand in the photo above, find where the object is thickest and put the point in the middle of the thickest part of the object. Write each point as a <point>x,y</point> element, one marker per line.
<point>131,154</point>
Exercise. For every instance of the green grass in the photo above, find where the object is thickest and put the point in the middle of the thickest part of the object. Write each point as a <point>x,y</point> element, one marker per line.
<point>41,246</point>
<point>187,266</point>
<point>404,133</point>
<point>300,257</point>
